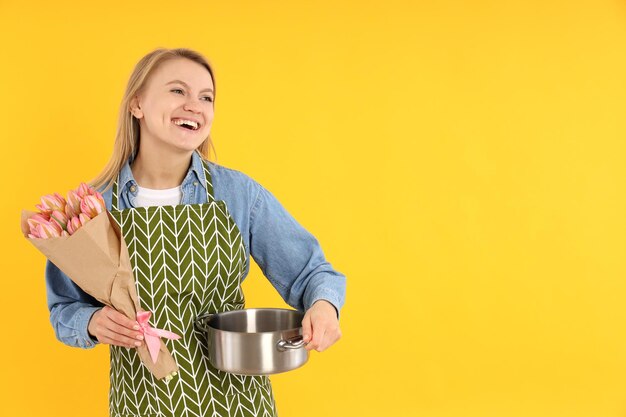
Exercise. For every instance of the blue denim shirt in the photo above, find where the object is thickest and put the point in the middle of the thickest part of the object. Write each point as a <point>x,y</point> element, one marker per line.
<point>289,256</point>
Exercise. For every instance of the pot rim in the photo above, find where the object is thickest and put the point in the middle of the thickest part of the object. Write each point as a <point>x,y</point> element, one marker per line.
<point>224,313</point>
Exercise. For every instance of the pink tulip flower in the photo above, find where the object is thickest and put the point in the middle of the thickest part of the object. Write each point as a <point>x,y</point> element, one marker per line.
<point>34,233</point>
<point>59,217</point>
<point>73,204</point>
<point>100,200</point>
<point>36,219</point>
<point>83,190</point>
<point>56,226</point>
<point>51,202</point>
<point>87,190</point>
<point>73,225</point>
<point>51,229</point>
<point>91,205</point>
<point>84,218</point>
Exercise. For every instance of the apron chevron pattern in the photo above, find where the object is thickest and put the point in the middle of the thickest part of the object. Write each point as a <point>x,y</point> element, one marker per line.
<point>187,260</point>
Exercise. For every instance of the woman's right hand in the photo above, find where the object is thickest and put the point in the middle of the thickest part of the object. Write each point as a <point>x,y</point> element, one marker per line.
<point>114,328</point>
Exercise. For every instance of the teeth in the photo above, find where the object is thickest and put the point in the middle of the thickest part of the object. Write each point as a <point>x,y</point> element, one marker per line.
<point>188,122</point>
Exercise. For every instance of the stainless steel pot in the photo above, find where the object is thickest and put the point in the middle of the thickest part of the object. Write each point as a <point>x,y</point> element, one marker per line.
<point>255,341</point>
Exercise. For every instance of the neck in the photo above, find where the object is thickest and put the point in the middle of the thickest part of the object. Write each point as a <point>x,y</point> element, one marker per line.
<point>160,169</point>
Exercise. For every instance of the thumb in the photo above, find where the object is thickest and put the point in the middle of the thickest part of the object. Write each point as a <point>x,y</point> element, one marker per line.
<point>307,331</point>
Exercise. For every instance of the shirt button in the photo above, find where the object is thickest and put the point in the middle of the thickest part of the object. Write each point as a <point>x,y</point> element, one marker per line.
<point>195,183</point>
<point>133,188</point>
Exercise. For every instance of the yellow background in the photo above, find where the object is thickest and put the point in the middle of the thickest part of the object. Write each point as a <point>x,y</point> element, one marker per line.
<point>462,162</point>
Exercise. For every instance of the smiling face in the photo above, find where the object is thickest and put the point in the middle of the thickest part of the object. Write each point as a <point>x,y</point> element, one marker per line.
<point>178,90</point>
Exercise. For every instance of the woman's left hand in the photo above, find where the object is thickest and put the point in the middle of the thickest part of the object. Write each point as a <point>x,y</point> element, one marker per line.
<point>320,326</point>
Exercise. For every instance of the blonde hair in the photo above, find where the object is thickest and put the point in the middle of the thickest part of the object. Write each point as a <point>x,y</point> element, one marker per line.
<point>127,136</point>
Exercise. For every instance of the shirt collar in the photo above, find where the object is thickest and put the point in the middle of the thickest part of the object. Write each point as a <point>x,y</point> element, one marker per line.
<point>195,173</point>
<point>197,167</point>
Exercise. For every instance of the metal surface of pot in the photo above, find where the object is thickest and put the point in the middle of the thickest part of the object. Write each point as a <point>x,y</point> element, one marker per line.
<point>256,341</point>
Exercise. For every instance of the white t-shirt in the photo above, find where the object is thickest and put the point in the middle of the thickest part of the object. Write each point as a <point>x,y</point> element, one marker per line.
<point>149,197</point>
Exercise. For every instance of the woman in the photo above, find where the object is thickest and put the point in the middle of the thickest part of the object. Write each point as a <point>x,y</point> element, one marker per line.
<point>197,224</point>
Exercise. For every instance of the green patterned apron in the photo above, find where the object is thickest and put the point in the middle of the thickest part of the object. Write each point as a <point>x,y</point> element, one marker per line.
<point>187,260</point>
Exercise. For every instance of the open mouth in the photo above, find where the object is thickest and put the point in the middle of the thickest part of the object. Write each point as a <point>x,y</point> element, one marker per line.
<point>186,124</point>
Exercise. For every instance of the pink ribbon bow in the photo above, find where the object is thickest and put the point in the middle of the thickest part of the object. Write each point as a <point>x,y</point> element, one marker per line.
<point>151,335</point>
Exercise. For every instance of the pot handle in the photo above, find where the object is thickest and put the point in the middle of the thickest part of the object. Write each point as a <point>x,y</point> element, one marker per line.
<point>290,344</point>
<point>201,321</point>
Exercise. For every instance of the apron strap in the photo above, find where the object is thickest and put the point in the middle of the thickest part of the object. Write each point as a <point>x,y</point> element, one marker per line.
<point>114,196</point>
<point>208,183</point>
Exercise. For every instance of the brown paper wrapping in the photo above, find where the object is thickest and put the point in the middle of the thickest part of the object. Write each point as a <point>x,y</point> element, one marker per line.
<point>96,258</point>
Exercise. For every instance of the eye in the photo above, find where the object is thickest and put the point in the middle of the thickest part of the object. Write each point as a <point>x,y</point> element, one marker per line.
<point>210,99</point>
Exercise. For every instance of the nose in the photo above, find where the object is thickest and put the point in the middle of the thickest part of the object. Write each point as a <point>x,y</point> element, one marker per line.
<point>193,106</point>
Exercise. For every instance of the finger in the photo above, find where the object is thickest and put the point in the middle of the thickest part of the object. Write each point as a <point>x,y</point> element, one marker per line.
<point>330,338</point>
<point>307,331</point>
<point>119,340</point>
<point>337,334</point>
<point>319,332</point>
<point>122,320</point>
<point>320,336</point>
<point>318,327</point>
<point>116,328</point>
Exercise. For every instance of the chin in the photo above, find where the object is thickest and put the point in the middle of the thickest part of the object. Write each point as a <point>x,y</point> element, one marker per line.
<point>188,149</point>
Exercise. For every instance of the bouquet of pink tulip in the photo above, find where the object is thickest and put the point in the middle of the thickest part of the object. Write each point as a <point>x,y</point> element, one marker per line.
<point>80,237</point>
<point>59,217</point>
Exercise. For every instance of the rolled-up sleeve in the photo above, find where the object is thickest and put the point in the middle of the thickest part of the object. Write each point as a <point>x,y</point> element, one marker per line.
<point>291,257</point>
<point>70,308</point>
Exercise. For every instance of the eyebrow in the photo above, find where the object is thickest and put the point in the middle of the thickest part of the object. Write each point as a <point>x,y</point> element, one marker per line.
<point>185,84</point>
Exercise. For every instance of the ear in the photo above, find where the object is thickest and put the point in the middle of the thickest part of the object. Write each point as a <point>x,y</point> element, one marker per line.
<point>134,107</point>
